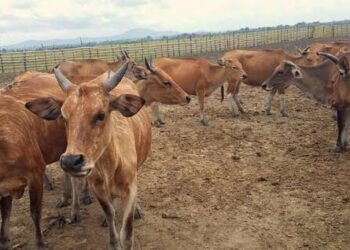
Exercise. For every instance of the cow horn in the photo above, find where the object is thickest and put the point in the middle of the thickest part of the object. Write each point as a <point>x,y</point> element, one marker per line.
<point>289,63</point>
<point>149,65</point>
<point>126,54</point>
<point>64,83</point>
<point>305,51</point>
<point>113,81</point>
<point>329,56</point>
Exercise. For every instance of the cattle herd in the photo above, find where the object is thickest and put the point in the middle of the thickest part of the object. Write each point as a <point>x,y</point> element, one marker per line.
<point>96,122</point>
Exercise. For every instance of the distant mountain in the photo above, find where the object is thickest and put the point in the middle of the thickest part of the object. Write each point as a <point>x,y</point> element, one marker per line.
<point>128,35</point>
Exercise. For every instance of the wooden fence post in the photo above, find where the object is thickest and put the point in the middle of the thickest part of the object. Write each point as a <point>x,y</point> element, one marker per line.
<point>45,60</point>
<point>25,61</point>
<point>191,45</point>
<point>2,64</point>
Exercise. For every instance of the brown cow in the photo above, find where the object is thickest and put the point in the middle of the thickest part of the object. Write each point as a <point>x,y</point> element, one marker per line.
<point>21,164</point>
<point>315,81</point>
<point>79,71</point>
<point>103,145</point>
<point>35,85</point>
<point>259,65</point>
<point>331,48</point>
<point>196,76</point>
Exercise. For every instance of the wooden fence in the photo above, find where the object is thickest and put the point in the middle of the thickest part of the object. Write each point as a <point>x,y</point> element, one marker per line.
<point>44,60</point>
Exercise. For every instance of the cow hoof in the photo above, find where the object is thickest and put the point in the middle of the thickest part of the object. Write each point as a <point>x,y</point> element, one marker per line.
<point>86,200</point>
<point>234,115</point>
<point>76,218</point>
<point>48,186</point>
<point>104,222</point>
<point>41,246</point>
<point>4,243</point>
<point>337,150</point>
<point>161,122</point>
<point>157,124</point>
<point>268,112</point>
<point>138,215</point>
<point>284,114</point>
<point>204,123</point>
<point>114,246</point>
<point>63,203</point>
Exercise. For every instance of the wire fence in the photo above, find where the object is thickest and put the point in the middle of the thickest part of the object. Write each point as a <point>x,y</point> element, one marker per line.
<point>45,60</point>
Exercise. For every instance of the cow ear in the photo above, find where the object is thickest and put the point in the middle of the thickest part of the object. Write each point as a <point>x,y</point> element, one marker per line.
<point>46,108</point>
<point>344,65</point>
<point>140,72</point>
<point>127,104</point>
<point>297,73</point>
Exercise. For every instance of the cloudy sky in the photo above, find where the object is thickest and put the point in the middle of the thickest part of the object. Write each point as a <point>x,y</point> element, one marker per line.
<point>51,19</point>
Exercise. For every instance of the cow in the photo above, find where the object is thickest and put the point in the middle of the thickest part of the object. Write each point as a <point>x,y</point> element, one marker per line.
<point>22,164</point>
<point>330,48</point>
<point>259,65</point>
<point>35,84</point>
<point>196,76</point>
<point>79,71</point>
<point>108,139</point>
<point>316,82</point>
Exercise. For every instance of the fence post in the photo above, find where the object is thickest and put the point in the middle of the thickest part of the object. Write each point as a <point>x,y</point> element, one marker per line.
<point>45,60</point>
<point>2,64</point>
<point>191,45</point>
<point>178,47</point>
<point>90,53</point>
<point>25,60</point>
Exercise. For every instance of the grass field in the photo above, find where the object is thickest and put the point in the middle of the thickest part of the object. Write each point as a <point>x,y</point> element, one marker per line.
<point>44,60</point>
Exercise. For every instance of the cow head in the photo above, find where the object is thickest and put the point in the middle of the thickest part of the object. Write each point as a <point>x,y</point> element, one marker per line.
<point>340,97</point>
<point>309,55</point>
<point>155,85</point>
<point>126,58</point>
<point>284,74</point>
<point>87,112</point>
<point>234,67</point>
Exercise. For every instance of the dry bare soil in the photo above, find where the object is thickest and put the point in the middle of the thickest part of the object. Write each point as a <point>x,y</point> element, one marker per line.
<point>253,182</point>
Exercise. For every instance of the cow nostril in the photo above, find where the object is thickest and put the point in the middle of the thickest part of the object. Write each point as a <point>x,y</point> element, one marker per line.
<point>79,160</point>
<point>264,86</point>
<point>244,77</point>
<point>72,162</point>
<point>188,99</point>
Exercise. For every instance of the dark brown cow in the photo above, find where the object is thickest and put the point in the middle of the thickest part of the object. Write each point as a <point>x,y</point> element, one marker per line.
<point>103,145</point>
<point>315,81</point>
<point>259,65</point>
<point>195,76</point>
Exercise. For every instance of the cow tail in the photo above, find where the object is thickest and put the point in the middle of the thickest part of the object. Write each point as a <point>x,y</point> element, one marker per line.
<point>222,93</point>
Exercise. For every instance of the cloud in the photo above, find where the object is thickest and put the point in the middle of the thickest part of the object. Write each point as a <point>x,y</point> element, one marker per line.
<point>49,19</point>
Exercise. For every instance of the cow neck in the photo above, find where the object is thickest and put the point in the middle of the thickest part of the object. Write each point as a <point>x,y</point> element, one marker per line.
<point>316,80</point>
<point>141,86</point>
<point>217,74</point>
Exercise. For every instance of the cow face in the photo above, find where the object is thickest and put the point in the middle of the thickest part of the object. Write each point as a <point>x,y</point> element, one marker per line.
<point>157,86</point>
<point>87,113</point>
<point>285,74</point>
<point>310,56</point>
<point>234,68</point>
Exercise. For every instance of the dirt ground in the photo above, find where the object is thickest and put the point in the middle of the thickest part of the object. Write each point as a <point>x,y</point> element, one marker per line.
<point>253,182</point>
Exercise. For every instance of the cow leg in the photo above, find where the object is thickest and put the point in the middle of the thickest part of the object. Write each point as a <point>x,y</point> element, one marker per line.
<point>201,94</point>
<point>283,111</point>
<point>6,206</point>
<point>36,196</point>
<point>138,215</point>
<point>231,86</point>
<point>86,198</point>
<point>157,121</point>
<point>236,97</point>
<point>48,183</point>
<point>342,123</point>
<point>67,191</point>
<point>127,230</point>
<point>76,187</point>
<point>269,102</point>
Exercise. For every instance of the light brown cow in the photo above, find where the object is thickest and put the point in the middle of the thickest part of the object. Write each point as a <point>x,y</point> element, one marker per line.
<point>195,76</point>
<point>331,48</point>
<point>315,81</point>
<point>79,71</point>
<point>259,65</point>
<point>103,145</point>
<point>21,164</point>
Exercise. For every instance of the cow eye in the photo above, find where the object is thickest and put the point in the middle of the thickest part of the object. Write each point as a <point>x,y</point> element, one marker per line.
<point>99,118</point>
<point>167,84</point>
<point>280,72</point>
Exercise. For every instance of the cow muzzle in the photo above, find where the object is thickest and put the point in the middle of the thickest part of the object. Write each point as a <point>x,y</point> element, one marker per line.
<point>188,99</point>
<point>244,77</point>
<point>74,164</point>
<point>266,87</point>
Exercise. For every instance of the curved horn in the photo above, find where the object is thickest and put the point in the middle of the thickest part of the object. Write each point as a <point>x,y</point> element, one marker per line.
<point>149,65</point>
<point>64,83</point>
<point>112,82</point>
<point>329,56</point>
<point>126,54</point>
<point>289,63</point>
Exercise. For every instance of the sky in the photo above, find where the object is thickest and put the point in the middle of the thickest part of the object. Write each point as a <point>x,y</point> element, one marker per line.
<point>61,19</point>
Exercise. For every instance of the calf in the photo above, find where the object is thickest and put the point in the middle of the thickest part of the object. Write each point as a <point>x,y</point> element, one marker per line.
<point>103,144</point>
<point>259,65</point>
<point>315,81</point>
